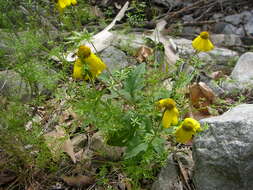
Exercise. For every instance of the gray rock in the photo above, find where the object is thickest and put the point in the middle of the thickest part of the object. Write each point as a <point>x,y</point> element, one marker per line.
<point>205,56</point>
<point>233,19</point>
<point>233,24</point>
<point>243,70</point>
<point>246,16</point>
<point>240,18</point>
<point>231,86</point>
<point>168,178</point>
<point>217,16</point>
<point>249,26</point>
<point>99,146</point>
<point>114,58</point>
<point>128,42</point>
<point>218,55</point>
<point>219,27</point>
<point>223,153</point>
<point>223,55</point>
<point>13,86</point>
<point>224,40</point>
<point>190,31</point>
<point>231,29</point>
<point>218,90</point>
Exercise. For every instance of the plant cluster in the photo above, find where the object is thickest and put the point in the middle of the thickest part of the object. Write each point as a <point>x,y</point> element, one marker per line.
<point>131,107</point>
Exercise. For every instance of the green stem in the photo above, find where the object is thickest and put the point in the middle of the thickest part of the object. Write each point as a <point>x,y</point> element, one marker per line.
<point>157,129</point>
<point>115,80</point>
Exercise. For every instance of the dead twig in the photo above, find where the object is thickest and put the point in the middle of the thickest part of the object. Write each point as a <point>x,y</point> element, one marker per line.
<point>184,175</point>
<point>200,23</point>
<point>185,9</point>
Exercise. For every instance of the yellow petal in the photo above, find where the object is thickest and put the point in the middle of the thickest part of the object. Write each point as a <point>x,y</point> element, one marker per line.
<point>183,136</point>
<point>166,120</point>
<point>210,45</point>
<point>170,117</point>
<point>67,2</point>
<point>187,129</point>
<point>78,70</point>
<point>166,103</point>
<point>73,2</point>
<point>96,65</point>
<point>196,42</point>
<point>61,4</point>
<point>175,116</point>
<point>201,44</point>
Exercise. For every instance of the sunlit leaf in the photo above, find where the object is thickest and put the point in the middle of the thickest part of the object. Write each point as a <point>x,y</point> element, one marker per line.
<point>135,151</point>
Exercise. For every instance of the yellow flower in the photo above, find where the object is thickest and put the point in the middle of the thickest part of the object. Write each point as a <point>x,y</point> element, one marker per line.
<point>94,63</point>
<point>61,4</point>
<point>202,42</point>
<point>78,70</point>
<point>186,130</point>
<point>170,115</point>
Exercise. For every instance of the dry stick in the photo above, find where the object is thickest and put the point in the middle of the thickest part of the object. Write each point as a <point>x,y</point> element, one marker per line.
<point>194,5</point>
<point>3,85</point>
<point>212,5</point>
<point>199,22</point>
<point>181,169</point>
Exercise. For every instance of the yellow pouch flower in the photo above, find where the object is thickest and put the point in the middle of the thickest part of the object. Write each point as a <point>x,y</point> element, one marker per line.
<point>170,115</point>
<point>202,42</point>
<point>186,130</point>
<point>94,63</point>
<point>61,4</point>
<point>78,70</point>
<point>73,2</point>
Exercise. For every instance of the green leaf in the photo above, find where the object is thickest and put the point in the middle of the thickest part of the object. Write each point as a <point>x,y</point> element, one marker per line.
<point>134,81</point>
<point>135,151</point>
<point>124,131</point>
<point>120,137</point>
<point>158,145</point>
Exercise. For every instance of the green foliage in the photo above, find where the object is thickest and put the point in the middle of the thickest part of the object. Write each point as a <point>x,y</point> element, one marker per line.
<point>29,58</point>
<point>77,16</point>
<point>137,16</point>
<point>109,12</point>
<point>134,83</point>
<point>127,117</point>
<point>31,33</point>
<point>24,147</point>
<point>77,38</point>
<point>123,108</point>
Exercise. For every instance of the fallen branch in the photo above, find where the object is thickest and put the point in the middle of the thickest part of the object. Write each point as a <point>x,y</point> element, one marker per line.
<point>175,14</point>
<point>199,23</point>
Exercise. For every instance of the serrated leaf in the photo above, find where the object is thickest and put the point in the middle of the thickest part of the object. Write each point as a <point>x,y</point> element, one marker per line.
<point>158,144</point>
<point>135,80</point>
<point>120,137</point>
<point>135,151</point>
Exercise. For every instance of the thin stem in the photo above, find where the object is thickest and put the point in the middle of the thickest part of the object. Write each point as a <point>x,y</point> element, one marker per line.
<point>158,128</point>
<point>117,81</point>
